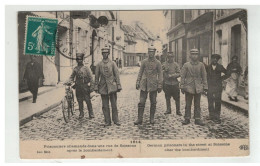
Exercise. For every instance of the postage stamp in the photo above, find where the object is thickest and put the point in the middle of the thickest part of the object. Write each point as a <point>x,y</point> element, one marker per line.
<point>40,36</point>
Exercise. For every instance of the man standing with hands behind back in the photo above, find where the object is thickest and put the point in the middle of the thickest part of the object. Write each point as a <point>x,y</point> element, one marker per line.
<point>171,71</point>
<point>149,80</point>
<point>193,83</point>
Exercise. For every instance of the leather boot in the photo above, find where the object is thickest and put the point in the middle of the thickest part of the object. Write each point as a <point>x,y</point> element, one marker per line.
<point>152,112</point>
<point>140,116</point>
<point>199,122</point>
<point>168,105</point>
<point>81,112</point>
<point>186,121</point>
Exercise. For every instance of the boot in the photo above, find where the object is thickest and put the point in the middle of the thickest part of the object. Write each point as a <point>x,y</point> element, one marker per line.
<point>186,121</point>
<point>178,112</point>
<point>140,116</point>
<point>168,105</point>
<point>90,113</point>
<point>199,122</point>
<point>152,112</point>
<point>177,103</point>
<point>81,112</point>
<point>81,115</point>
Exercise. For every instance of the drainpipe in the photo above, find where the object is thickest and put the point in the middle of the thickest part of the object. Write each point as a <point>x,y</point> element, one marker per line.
<point>113,40</point>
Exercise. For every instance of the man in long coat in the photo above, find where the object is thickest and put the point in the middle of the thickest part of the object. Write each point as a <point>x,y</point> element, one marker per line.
<point>193,83</point>
<point>107,83</point>
<point>32,74</point>
<point>149,80</point>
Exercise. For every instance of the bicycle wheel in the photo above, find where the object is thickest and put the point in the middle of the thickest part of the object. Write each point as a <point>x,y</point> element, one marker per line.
<point>65,110</point>
<point>72,104</point>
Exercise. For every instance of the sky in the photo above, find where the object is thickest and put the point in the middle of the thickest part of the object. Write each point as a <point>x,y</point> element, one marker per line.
<point>152,20</point>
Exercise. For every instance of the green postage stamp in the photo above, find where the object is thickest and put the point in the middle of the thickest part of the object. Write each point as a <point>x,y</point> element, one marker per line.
<point>40,36</point>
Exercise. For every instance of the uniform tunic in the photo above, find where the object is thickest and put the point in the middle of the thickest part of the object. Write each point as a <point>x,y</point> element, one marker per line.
<point>150,76</point>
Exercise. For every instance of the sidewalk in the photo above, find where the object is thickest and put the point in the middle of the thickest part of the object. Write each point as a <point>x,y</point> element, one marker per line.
<point>241,105</point>
<point>49,98</point>
<point>27,95</point>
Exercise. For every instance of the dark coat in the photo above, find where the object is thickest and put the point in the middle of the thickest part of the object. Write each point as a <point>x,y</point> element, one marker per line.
<point>214,77</point>
<point>234,68</point>
<point>82,77</point>
<point>33,72</point>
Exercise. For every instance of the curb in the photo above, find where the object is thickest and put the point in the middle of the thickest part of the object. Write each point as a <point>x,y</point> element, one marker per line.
<point>29,97</point>
<point>28,119</point>
<point>235,108</point>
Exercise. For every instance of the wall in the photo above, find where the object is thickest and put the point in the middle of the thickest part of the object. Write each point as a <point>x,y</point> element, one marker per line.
<point>141,46</point>
<point>226,43</point>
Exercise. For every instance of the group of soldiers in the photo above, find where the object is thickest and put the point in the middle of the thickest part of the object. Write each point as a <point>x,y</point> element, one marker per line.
<point>153,78</point>
<point>192,80</point>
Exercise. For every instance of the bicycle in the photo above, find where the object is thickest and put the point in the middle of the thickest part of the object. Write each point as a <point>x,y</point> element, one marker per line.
<point>68,102</point>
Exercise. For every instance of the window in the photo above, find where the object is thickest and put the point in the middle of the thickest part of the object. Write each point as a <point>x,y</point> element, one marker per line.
<point>179,17</point>
<point>188,15</point>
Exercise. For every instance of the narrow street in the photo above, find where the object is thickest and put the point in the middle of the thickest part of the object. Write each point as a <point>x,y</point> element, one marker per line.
<point>51,125</point>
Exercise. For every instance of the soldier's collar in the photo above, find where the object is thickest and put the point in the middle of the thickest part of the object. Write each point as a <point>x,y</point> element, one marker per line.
<point>106,60</point>
<point>151,59</point>
<point>194,63</point>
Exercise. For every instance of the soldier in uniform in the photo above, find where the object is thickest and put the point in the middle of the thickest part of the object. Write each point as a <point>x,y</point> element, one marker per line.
<point>171,71</point>
<point>149,80</point>
<point>193,83</point>
<point>107,83</point>
<point>33,73</point>
<point>83,85</point>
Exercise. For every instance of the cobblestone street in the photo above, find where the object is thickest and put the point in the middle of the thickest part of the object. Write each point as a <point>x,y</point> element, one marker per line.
<point>51,125</point>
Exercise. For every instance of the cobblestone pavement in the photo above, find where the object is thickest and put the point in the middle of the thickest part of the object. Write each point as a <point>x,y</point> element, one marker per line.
<point>51,126</point>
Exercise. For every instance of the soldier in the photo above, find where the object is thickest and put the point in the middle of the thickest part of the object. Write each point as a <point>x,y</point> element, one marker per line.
<point>171,71</point>
<point>83,85</point>
<point>32,74</point>
<point>193,83</point>
<point>149,80</point>
<point>214,71</point>
<point>107,83</point>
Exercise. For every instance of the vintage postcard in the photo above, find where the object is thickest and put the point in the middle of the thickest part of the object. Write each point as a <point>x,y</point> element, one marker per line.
<point>133,83</point>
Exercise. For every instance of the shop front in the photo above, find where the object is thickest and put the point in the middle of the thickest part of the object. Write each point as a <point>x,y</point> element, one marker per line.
<point>177,43</point>
<point>199,35</point>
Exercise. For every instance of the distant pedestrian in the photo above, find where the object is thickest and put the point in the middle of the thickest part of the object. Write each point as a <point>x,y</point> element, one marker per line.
<point>120,63</point>
<point>214,71</point>
<point>193,83</point>
<point>233,70</point>
<point>149,80</point>
<point>83,84</point>
<point>33,72</point>
<point>171,71</point>
<point>107,83</point>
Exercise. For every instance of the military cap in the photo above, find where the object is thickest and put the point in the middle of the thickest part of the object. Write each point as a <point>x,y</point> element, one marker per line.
<point>194,51</point>
<point>105,49</point>
<point>170,54</point>
<point>79,55</point>
<point>151,48</point>
<point>215,56</point>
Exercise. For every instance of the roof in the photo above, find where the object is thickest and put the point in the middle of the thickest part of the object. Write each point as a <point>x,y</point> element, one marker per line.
<point>129,33</point>
<point>145,31</point>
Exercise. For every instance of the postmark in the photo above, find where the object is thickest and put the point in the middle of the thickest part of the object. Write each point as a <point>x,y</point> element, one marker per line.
<point>40,36</point>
